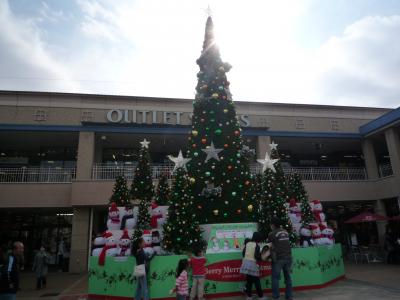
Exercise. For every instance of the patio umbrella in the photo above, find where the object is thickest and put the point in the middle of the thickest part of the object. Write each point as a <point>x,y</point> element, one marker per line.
<point>366,217</point>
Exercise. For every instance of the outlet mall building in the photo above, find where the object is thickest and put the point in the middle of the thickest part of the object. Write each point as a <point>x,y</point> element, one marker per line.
<point>59,154</point>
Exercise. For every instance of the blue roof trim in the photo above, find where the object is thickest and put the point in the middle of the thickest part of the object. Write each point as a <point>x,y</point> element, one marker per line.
<point>380,122</point>
<point>162,129</point>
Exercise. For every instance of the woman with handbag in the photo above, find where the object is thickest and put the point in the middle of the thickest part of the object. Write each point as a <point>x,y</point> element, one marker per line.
<point>140,269</point>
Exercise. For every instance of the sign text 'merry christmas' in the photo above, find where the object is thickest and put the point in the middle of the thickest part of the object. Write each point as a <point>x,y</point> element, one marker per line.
<point>229,270</point>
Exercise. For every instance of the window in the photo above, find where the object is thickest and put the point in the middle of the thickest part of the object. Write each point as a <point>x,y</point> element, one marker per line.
<point>335,125</point>
<point>40,115</point>
<point>87,116</point>
<point>300,124</point>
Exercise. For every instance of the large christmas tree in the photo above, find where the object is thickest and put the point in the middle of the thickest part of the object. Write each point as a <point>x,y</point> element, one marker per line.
<point>163,191</point>
<point>181,232</point>
<point>142,189</point>
<point>297,191</point>
<point>275,194</point>
<point>120,193</point>
<point>219,173</point>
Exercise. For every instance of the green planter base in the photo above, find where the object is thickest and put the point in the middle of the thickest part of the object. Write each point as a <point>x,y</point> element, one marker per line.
<point>314,267</point>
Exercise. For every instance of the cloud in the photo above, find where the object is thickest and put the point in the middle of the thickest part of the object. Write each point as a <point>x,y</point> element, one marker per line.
<point>361,66</point>
<point>26,63</point>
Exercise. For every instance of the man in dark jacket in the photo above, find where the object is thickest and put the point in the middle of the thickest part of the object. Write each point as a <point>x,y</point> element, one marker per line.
<point>10,273</point>
<point>281,254</point>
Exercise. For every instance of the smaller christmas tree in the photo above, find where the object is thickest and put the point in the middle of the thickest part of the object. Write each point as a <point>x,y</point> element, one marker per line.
<point>143,221</point>
<point>142,188</point>
<point>142,184</point>
<point>120,193</point>
<point>182,231</point>
<point>163,191</point>
<point>297,191</point>
<point>275,195</point>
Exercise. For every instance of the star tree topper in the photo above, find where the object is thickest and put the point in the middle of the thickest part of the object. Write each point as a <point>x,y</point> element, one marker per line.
<point>268,163</point>
<point>273,146</point>
<point>145,144</point>
<point>179,161</point>
<point>211,152</point>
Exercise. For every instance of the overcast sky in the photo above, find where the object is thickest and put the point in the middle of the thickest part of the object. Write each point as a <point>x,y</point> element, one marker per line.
<point>344,52</point>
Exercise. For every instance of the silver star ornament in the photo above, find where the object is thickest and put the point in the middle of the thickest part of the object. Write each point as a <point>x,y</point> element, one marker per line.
<point>179,161</point>
<point>211,152</point>
<point>268,163</point>
<point>273,146</point>
<point>145,144</point>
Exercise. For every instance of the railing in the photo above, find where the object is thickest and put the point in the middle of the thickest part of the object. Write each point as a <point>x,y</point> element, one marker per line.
<point>109,172</point>
<point>37,174</point>
<point>322,173</point>
<point>385,170</point>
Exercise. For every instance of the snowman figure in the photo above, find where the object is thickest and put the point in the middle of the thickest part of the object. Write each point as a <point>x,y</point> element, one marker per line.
<point>114,222</point>
<point>128,219</point>
<point>327,235</point>
<point>157,219</point>
<point>155,242</point>
<point>148,249</point>
<point>294,211</point>
<point>305,237</point>
<point>316,234</point>
<point>215,243</point>
<point>125,244</point>
<point>110,248</point>
<point>98,244</point>
<point>319,215</point>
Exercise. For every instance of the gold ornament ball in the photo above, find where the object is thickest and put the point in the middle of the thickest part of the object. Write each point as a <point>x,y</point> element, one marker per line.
<point>215,211</point>
<point>192,180</point>
<point>250,208</point>
<point>195,132</point>
<point>214,96</point>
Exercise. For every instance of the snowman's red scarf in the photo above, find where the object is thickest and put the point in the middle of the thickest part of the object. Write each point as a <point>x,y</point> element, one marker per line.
<point>154,219</point>
<point>102,256</point>
<point>124,248</point>
<point>114,219</point>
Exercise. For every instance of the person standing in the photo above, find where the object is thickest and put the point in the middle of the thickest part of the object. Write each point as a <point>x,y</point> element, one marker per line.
<point>40,268</point>
<point>181,281</point>
<point>141,259</point>
<point>198,264</point>
<point>10,284</point>
<point>251,255</point>
<point>60,255</point>
<point>281,254</point>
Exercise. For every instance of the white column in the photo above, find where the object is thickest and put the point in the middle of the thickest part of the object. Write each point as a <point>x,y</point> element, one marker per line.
<point>393,145</point>
<point>262,145</point>
<point>85,159</point>
<point>370,159</point>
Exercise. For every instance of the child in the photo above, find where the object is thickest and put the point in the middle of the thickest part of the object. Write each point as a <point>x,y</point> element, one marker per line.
<point>198,264</point>
<point>181,283</point>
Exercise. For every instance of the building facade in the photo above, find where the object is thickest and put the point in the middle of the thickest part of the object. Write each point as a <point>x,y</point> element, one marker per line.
<point>59,154</point>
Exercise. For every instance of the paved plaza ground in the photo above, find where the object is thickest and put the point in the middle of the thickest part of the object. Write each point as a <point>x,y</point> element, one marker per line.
<point>363,282</point>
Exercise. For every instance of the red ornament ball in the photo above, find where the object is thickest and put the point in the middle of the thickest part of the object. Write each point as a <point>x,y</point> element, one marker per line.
<point>230,167</point>
<point>247,182</point>
<point>226,145</point>
<point>237,132</point>
<point>203,141</point>
<point>194,145</point>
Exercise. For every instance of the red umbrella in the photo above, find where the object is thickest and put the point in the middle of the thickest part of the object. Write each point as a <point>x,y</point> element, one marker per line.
<point>395,218</point>
<point>366,217</point>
